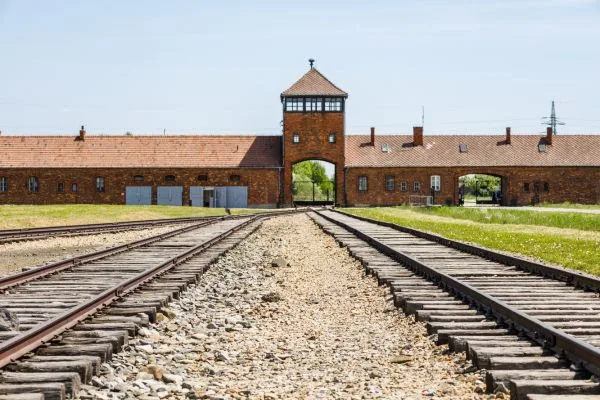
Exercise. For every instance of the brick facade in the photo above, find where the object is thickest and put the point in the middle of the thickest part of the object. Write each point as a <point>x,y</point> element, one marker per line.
<point>262,184</point>
<point>573,184</point>
<point>313,129</point>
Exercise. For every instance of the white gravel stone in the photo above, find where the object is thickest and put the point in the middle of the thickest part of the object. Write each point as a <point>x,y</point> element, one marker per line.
<point>332,334</point>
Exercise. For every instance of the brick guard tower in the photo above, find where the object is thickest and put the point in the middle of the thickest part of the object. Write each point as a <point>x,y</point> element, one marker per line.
<point>313,128</point>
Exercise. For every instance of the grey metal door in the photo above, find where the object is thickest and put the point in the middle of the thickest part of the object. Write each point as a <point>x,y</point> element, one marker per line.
<point>221,197</point>
<point>138,195</point>
<point>237,196</point>
<point>197,196</point>
<point>169,195</point>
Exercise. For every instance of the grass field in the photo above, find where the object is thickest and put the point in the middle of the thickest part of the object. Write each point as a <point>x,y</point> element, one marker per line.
<point>570,205</point>
<point>572,248</point>
<point>570,220</point>
<point>12,216</point>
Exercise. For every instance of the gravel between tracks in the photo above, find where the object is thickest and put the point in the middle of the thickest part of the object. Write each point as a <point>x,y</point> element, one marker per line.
<point>32,253</point>
<point>317,328</point>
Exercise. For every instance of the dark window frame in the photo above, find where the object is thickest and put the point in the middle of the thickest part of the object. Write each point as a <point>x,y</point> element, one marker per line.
<point>333,104</point>
<point>417,187</point>
<point>138,178</point>
<point>60,187</point>
<point>33,184</point>
<point>526,187</point>
<point>313,104</point>
<point>170,178</point>
<point>234,178</point>
<point>294,104</point>
<point>100,184</point>
<point>366,183</point>
<point>3,184</point>
<point>546,187</point>
<point>390,183</point>
<point>202,178</point>
<point>74,187</point>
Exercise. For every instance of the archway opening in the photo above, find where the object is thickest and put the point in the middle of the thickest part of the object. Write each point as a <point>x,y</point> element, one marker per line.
<point>480,190</point>
<point>313,183</point>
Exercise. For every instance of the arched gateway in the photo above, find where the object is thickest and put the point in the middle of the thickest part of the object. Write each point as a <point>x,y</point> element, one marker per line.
<point>313,128</point>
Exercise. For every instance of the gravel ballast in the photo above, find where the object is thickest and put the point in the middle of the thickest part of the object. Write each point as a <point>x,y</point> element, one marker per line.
<point>288,314</point>
<point>33,253</point>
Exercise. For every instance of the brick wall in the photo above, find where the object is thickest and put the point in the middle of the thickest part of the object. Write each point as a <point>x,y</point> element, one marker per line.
<point>574,184</point>
<point>314,129</point>
<point>262,184</point>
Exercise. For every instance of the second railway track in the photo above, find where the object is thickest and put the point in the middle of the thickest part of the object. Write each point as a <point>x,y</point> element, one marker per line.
<point>44,303</point>
<point>534,328</point>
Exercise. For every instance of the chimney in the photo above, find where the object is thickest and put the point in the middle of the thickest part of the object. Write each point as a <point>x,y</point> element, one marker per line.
<point>372,136</point>
<point>417,136</point>
<point>549,136</point>
<point>82,133</point>
<point>508,135</point>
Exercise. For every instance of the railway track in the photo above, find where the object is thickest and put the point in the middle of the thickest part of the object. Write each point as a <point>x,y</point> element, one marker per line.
<point>61,321</point>
<point>19,235</point>
<point>533,327</point>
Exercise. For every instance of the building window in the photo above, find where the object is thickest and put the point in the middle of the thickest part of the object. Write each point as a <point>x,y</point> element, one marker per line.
<point>294,104</point>
<point>362,183</point>
<point>313,104</point>
<point>202,178</point>
<point>60,188</point>
<point>331,138</point>
<point>526,186</point>
<point>390,183</point>
<point>546,187</point>
<point>3,184</point>
<point>416,186</point>
<point>100,184</point>
<point>170,178</point>
<point>333,104</point>
<point>536,187</point>
<point>74,187</point>
<point>296,138</point>
<point>33,184</point>
<point>234,178</point>
<point>435,182</point>
<point>403,186</point>
<point>138,178</point>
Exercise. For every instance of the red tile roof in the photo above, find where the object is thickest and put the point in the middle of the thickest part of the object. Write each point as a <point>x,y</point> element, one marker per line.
<point>488,150</point>
<point>139,151</point>
<point>313,83</point>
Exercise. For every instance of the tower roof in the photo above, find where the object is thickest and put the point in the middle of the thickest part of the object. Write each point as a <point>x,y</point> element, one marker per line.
<point>313,83</point>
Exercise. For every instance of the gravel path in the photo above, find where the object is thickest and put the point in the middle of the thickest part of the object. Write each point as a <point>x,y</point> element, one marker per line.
<point>18,255</point>
<point>313,327</point>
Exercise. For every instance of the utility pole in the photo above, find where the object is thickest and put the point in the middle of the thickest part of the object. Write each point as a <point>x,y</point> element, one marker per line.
<point>552,121</point>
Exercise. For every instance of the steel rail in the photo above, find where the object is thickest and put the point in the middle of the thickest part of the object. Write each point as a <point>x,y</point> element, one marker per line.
<point>33,338</point>
<point>576,351</point>
<point>35,273</point>
<point>575,278</point>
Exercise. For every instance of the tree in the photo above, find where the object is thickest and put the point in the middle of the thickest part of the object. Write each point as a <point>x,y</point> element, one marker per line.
<point>480,185</point>
<point>314,172</point>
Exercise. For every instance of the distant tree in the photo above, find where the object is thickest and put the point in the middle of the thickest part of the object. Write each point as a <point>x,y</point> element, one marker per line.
<point>480,185</point>
<point>313,171</point>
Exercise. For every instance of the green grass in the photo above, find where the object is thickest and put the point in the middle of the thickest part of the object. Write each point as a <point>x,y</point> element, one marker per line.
<point>569,220</point>
<point>574,249</point>
<point>18,216</point>
<point>566,204</point>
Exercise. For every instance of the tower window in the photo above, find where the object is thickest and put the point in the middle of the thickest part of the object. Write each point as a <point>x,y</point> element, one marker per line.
<point>294,104</point>
<point>33,184</point>
<point>100,184</point>
<point>333,104</point>
<point>331,138</point>
<point>296,137</point>
<point>3,184</point>
<point>362,183</point>
<point>314,104</point>
<point>390,183</point>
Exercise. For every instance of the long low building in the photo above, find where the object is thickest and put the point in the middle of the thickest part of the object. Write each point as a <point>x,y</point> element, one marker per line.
<point>256,171</point>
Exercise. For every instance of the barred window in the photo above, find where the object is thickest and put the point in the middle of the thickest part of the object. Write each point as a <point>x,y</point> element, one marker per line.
<point>3,184</point>
<point>331,138</point>
<point>60,188</point>
<point>416,186</point>
<point>314,104</point>
<point>435,182</point>
<point>333,104</point>
<point>33,184</point>
<point>390,183</point>
<point>362,183</point>
<point>296,138</point>
<point>100,184</point>
<point>403,186</point>
<point>294,104</point>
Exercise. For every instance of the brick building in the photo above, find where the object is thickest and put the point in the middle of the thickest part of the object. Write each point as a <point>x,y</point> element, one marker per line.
<point>256,171</point>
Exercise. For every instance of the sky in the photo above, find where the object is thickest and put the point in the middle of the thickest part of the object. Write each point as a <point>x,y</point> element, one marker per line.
<point>191,67</point>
